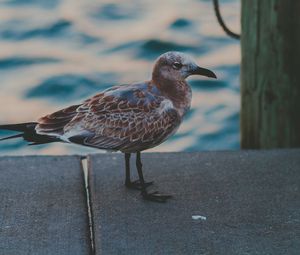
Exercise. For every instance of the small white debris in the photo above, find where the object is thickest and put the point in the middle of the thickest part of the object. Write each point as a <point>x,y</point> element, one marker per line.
<point>198,217</point>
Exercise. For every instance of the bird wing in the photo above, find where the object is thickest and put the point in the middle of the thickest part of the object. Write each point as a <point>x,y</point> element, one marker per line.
<point>130,120</point>
<point>54,123</point>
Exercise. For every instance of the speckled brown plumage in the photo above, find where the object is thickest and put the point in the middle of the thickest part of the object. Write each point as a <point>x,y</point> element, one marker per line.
<point>128,118</point>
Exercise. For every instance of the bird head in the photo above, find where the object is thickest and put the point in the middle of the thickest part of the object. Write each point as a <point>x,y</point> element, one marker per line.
<point>178,66</point>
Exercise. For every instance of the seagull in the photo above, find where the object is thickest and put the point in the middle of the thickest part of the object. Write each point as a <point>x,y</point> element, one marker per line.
<point>129,118</point>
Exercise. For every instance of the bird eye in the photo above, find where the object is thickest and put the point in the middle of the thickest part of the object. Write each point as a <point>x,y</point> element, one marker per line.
<point>177,65</point>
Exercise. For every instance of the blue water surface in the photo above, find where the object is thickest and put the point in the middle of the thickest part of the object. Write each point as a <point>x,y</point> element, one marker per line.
<point>54,53</point>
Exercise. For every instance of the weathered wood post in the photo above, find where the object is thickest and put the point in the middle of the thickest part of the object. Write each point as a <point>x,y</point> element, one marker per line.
<point>270,107</point>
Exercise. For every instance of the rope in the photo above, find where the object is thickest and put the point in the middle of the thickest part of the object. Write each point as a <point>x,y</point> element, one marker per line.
<point>222,23</point>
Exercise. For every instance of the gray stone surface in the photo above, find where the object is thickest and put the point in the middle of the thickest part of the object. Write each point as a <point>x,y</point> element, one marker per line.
<point>250,199</point>
<point>43,206</point>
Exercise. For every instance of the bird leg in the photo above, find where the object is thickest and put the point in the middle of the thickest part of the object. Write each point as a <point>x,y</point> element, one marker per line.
<point>132,184</point>
<point>153,196</point>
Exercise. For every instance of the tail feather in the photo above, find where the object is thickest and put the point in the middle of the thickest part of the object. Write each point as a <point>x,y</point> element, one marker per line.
<point>28,133</point>
<point>21,127</point>
<point>11,137</point>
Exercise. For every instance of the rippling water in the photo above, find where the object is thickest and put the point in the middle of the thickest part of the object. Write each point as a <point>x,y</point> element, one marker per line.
<point>57,52</point>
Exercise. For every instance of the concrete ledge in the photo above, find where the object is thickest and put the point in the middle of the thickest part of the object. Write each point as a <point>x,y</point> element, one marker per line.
<point>239,202</point>
<point>243,202</point>
<point>43,206</point>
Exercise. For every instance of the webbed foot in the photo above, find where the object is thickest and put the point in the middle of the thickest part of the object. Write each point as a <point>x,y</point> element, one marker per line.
<point>156,197</point>
<point>137,185</point>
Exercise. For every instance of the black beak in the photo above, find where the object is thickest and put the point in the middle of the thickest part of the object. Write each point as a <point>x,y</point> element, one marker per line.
<point>204,72</point>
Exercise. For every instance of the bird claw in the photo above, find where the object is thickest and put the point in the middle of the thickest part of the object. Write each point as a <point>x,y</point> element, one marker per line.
<point>156,197</point>
<point>151,196</point>
<point>137,185</point>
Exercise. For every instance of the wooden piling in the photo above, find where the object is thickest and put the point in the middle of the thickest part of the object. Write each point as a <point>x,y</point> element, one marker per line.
<point>270,107</point>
